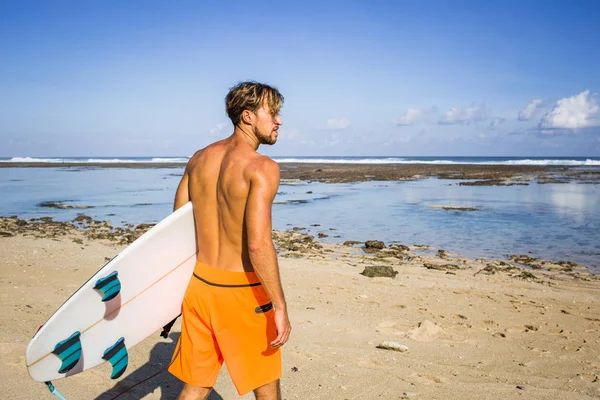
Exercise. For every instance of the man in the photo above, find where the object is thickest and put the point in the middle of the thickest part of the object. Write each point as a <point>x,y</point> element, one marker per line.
<point>234,308</point>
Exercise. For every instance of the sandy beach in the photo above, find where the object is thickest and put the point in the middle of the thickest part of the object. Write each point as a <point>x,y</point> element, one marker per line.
<point>474,329</point>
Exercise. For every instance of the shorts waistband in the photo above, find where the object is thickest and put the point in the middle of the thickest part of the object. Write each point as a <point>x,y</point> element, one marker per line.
<point>219,277</point>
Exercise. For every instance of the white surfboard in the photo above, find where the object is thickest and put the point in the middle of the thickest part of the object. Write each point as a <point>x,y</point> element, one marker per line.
<point>132,296</point>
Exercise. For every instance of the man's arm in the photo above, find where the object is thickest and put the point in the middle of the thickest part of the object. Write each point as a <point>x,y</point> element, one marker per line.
<point>263,188</point>
<point>182,196</point>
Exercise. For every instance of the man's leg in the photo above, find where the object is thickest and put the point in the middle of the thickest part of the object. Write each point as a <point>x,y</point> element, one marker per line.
<point>191,392</point>
<point>270,391</point>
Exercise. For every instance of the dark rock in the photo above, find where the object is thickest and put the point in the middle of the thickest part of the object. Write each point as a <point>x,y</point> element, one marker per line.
<point>443,267</point>
<point>399,247</point>
<point>525,275</point>
<point>350,243</point>
<point>59,205</point>
<point>524,259</point>
<point>379,271</point>
<point>493,182</point>
<point>308,239</point>
<point>374,244</point>
<point>488,270</point>
<point>443,254</point>
<point>6,234</point>
<point>323,235</point>
<point>297,228</point>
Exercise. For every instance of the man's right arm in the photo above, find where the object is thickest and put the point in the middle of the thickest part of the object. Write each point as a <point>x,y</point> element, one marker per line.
<point>264,183</point>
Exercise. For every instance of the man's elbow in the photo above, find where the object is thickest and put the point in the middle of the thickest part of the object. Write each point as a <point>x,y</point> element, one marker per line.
<point>256,247</point>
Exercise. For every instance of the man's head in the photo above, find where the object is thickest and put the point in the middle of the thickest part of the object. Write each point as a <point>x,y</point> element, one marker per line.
<point>256,106</point>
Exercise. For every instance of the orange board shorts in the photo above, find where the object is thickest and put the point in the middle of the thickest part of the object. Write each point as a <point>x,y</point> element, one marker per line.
<point>227,316</point>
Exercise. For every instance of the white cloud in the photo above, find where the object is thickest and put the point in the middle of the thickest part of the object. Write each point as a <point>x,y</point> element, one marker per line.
<point>218,130</point>
<point>465,116</point>
<point>413,115</point>
<point>338,123</point>
<point>497,122</point>
<point>289,134</point>
<point>526,113</point>
<point>575,112</point>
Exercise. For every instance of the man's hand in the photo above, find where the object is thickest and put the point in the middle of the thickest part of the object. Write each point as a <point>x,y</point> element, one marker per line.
<point>284,328</point>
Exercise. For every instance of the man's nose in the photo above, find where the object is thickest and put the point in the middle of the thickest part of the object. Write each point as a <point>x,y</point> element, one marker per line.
<point>278,120</point>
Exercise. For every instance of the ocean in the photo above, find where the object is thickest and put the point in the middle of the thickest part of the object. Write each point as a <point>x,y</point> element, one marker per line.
<point>567,161</point>
<point>552,221</point>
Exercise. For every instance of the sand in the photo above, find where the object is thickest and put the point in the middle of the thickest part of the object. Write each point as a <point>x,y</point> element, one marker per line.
<point>475,329</point>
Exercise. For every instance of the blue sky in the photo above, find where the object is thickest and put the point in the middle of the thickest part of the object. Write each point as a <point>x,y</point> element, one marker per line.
<point>128,78</point>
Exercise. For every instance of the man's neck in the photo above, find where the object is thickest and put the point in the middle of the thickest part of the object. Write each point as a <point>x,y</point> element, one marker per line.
<point>245,134</point>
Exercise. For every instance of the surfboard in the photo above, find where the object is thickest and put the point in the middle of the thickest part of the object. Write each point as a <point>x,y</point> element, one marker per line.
<point>135,294</point>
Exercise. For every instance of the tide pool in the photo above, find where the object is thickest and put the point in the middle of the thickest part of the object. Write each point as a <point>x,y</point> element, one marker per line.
<point>551,221</point>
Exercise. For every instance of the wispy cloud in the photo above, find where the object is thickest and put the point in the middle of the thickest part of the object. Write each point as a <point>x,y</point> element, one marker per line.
<point>413,115</point>
<point>526,113</point>
<point>338,123</point>
<point>474,113</point>
<point>575,112</point>
<point>496,122</point>
<point>218,131</point>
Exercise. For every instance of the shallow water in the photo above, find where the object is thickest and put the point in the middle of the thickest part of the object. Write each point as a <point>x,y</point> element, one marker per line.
<point>552,221</point>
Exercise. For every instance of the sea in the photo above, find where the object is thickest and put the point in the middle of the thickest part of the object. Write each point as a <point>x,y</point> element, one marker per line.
<point>553,221</point>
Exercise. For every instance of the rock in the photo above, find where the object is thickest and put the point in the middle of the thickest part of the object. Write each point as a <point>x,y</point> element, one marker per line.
<point>297,228</point>
<point>526,276</point>
<point>488,270</point>
<point>443,267</point>
<point>350,243</point>
<point>443,254</point>
<point>384,271</point>
<point>374,244</point>
<point>394,346</point>
<point>399,247</point>
<point>6,234</point>
<point>59,205</point>
<point>455,208</point>
<point>323,235</point>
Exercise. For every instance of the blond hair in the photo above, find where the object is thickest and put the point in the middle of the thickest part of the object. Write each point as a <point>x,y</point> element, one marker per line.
<point>251,96</point>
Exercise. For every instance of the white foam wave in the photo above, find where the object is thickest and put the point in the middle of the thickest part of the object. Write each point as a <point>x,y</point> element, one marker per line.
<point>390,160</point>
<point>171,160</point>
<point>31,159</point>
<point>323,160</point>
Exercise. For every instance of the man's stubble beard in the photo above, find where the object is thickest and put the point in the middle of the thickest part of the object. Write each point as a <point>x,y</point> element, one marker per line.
<point>264,139</point>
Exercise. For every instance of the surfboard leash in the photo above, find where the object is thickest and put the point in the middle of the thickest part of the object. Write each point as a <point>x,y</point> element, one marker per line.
<point>54,391</point>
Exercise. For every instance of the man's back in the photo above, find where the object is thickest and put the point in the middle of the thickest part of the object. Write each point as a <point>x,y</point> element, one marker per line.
<point>219,184</point>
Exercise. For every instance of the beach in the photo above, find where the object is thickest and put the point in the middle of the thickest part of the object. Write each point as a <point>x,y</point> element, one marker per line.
<point>484,278</point>
<point>473,328</point>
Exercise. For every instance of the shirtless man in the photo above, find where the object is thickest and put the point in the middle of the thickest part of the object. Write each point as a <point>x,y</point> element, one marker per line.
<point>234,308</point>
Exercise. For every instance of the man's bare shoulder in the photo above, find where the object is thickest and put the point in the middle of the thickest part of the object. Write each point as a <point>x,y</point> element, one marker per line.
<point>263,166</point>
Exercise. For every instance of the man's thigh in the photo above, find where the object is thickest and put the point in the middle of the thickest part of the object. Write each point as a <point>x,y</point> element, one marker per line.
<point>270,391</point>
<point>191,392</point>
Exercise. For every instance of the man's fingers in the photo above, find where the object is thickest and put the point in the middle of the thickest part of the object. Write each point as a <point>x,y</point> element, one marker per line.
<point>281,339</point>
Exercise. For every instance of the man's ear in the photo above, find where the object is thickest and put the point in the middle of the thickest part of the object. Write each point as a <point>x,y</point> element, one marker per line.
<point>247,116</point>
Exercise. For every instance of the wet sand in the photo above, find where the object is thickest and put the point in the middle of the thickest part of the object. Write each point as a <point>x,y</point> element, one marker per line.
<point>475,329</point>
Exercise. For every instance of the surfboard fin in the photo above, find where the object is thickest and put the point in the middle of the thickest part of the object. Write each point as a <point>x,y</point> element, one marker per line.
<point>117,356</point>
<point>110,286</point>
<point>69,352</point>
